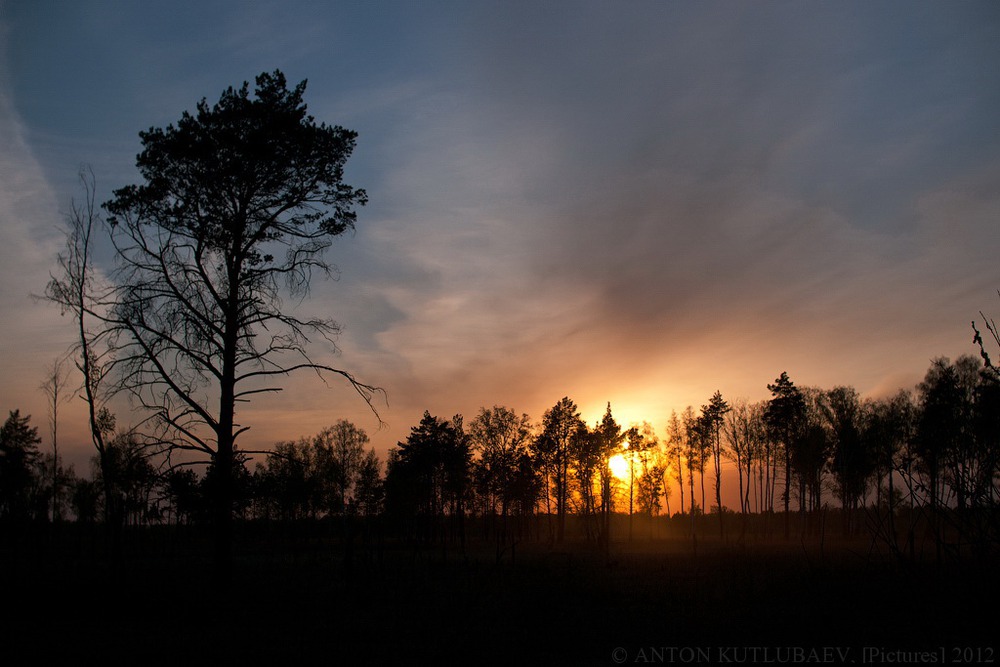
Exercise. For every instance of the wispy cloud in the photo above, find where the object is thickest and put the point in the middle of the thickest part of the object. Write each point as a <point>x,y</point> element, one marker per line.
<point>639,205</point>
<point>32,334</point>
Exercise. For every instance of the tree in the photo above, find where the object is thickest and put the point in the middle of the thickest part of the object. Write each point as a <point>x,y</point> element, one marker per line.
<point>500,437</point>
<point>77,290</point>
<point>809,459</point>
<point>133,479</point>
<point>744,431</point>
<point>651,487</point>
<point>18,453</point>
<point>54,386</point>
<point>965,461</point>
<point>977,339</point>
<point>238,202</point>
<point>427,477</point>
<point>586,453</point>
<point>699,436</point>
<point>644,448</point>
<point>85,497</point>
<point>609,437</point>
<point>343,445</point>
<point>676,446</point>
<point>51,486</point>
<point>986,425</point>
<point>811,450</point>
<point>715,415</point>
<point>887,430</point>
<point>287,482</point>
<point>560,425</point>
<point>784,418</point>
<point>369,492</point>
<point>339,451</point>
<point>692,455</point>
<point>851,463</point>
<point>183,495</point>
<point>939,425</point>
<point>236,477</point>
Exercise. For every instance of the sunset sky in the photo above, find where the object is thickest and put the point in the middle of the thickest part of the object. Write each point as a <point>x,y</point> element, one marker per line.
<point>634,202</point>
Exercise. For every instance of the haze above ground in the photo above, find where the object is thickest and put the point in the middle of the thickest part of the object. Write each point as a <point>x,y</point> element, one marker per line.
<point>636,203</point>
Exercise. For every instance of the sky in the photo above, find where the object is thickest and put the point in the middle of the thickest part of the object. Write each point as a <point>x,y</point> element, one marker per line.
<point>633,202</point>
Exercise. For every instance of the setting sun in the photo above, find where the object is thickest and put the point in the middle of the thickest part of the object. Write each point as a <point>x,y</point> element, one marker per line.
<point>619,466</point>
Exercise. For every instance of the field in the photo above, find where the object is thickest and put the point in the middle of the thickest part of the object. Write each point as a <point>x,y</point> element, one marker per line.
<point>297,599</point>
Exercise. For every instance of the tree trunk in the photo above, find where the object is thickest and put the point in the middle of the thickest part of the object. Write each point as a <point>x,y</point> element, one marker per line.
<point>561,482</point>
<point>680,480</point>
<point>225,436</point>
<point>739,471</point>
<point>631,484</point>
<point>717,460</point>
<point>788,470</point>
<point>701,480</point>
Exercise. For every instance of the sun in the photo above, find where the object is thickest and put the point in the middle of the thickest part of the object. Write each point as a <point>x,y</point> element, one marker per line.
<point>619,466</point>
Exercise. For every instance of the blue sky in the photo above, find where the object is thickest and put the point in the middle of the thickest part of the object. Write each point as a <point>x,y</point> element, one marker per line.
<point>633,202</point>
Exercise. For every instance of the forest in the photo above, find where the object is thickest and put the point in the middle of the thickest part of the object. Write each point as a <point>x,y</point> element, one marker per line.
<point>932,454</point>
<point>836,493</point>
<point>860,524</point>
<point>916,472</point>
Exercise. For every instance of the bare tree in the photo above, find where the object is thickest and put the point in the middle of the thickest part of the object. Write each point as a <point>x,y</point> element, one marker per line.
<point>744,431</point>
<point>78,290</point>
<point>977,340</point>
<point>343,445</point>
<point>54,387</point>
<point>676,446</point>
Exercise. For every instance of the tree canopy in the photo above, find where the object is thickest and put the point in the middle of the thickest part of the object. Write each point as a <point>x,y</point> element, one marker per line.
<point>18,454</point>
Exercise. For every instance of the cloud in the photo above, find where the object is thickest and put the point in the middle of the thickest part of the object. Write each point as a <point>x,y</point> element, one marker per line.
<point>639,205</point>
<point>719,195</point>
<point>32,332</point>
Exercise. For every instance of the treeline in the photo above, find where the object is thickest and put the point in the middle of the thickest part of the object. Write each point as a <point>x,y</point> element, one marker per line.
<point>923,460</point>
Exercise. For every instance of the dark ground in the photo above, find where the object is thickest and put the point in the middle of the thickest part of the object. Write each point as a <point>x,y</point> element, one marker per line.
<point>298,602</point>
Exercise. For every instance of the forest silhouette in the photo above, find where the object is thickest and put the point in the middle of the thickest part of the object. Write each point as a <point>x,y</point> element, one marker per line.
<point>860,523</point>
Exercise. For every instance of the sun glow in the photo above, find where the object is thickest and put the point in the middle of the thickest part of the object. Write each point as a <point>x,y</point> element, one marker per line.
<point>619,466</point>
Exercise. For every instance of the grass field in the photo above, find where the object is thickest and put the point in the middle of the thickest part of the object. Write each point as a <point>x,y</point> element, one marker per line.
<point>651,600</point>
